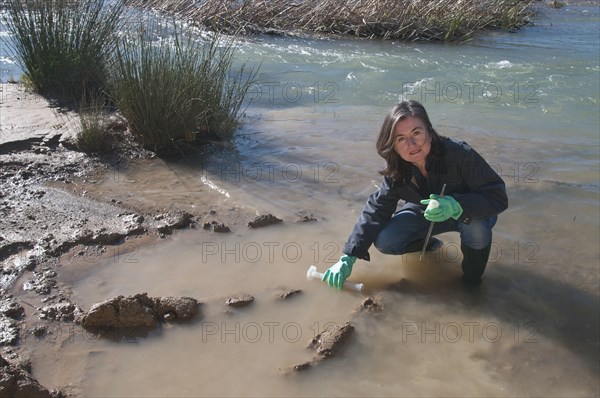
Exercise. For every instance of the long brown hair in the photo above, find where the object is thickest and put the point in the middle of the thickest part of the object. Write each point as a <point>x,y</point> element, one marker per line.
<point>396,167</point>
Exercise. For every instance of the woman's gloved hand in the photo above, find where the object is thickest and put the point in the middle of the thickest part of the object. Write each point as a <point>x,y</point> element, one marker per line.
<point>337,273</point>
<point>447,208</point>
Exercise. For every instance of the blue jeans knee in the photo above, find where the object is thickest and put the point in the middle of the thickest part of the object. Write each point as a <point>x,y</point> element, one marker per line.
<point>399,231</point>
<point>408,226</point>
<point>477,234</point>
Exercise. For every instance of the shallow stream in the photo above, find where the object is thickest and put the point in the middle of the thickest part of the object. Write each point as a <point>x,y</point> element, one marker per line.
<point>527,101</point>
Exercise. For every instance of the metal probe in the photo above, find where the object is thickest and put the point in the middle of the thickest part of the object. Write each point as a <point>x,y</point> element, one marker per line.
<point>430,229</point>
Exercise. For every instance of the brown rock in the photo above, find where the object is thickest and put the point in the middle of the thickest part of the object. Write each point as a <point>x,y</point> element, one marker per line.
<point>289,293</point>
<point>139,312</point>
<point>221,228</point>
<point>371,304</point>
<point>327,344</point>
<point>179,308</point>
<point>122,312</point>
<point>306,219</point>
<point>241,300</point>
<point>174,220</point>
<point>302,366</point>
<point>330,340</point>
<point>263,221</point>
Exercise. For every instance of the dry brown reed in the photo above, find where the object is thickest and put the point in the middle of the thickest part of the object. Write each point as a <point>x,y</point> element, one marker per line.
<point>439,20</point>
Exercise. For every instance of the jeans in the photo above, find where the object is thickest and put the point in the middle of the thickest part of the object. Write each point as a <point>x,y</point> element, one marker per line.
<point>409,225</point>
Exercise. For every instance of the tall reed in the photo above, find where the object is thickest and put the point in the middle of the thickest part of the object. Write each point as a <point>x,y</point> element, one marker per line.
<point>173,87</point>
<point>62,44</point>
<point>440,20</point>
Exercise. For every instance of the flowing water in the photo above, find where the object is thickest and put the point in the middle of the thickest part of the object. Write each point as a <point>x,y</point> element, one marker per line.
<point>527,101</point>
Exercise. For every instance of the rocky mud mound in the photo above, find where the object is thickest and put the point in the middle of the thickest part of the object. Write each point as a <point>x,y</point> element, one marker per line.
<point>264,220</point>
<point>326,344</point>
<point>10,314</point>
<point>329,341</point>
<point>240,300</point>
<point>169,222</point>
<point>288,294</point>
<point>139,312</point>
<point>334,338</point>
<point>15,382</point>
<point>63,311</point>
<point>371,305</point>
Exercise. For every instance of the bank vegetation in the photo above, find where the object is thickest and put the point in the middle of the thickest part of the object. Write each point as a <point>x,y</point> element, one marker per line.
<point>173,86</point>
<point>408,20</point>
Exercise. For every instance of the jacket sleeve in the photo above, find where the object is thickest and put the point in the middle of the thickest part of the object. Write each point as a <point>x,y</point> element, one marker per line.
<point>486,194</point>
<point>376,213</point>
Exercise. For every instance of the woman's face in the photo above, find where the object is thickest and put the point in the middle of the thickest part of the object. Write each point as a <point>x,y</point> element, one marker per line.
<point>412,141</point>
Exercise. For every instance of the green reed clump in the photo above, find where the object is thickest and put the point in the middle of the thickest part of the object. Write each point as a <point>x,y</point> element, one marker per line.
<point>441,20</point>
<point>172,87</point>
<point>93,134</point>
<point>62,44</point>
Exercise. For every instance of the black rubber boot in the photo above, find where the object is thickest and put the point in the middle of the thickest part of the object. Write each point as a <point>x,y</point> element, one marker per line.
<point>473,264</point>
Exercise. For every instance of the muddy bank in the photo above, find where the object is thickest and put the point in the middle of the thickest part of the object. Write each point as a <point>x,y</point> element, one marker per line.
<point>44,213</point>
<point>18,383</point>
<point>53,203</point>
<point>60,206</point>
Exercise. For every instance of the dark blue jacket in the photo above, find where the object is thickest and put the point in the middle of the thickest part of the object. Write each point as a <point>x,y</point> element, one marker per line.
<point>468,178</point>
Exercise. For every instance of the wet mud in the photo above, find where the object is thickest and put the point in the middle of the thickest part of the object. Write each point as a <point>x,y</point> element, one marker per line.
<point>17,382</point>
<point>52,206</point>
<point>11,312</point>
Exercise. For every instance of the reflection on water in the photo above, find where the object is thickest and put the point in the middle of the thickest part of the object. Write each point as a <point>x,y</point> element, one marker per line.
<point>531,330</point>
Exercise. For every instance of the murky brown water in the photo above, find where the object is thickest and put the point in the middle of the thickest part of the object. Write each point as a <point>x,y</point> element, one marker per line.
<point>532,328</point>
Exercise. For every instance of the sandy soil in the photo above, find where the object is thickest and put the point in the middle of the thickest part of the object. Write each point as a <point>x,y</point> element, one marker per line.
<point>50,207</point>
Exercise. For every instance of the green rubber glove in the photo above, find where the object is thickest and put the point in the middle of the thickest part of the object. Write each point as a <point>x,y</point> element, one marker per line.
<point>337,273</point>
<point>448,208</point>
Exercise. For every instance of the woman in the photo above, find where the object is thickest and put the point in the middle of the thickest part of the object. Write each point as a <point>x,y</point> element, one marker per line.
<point>418,163</point>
